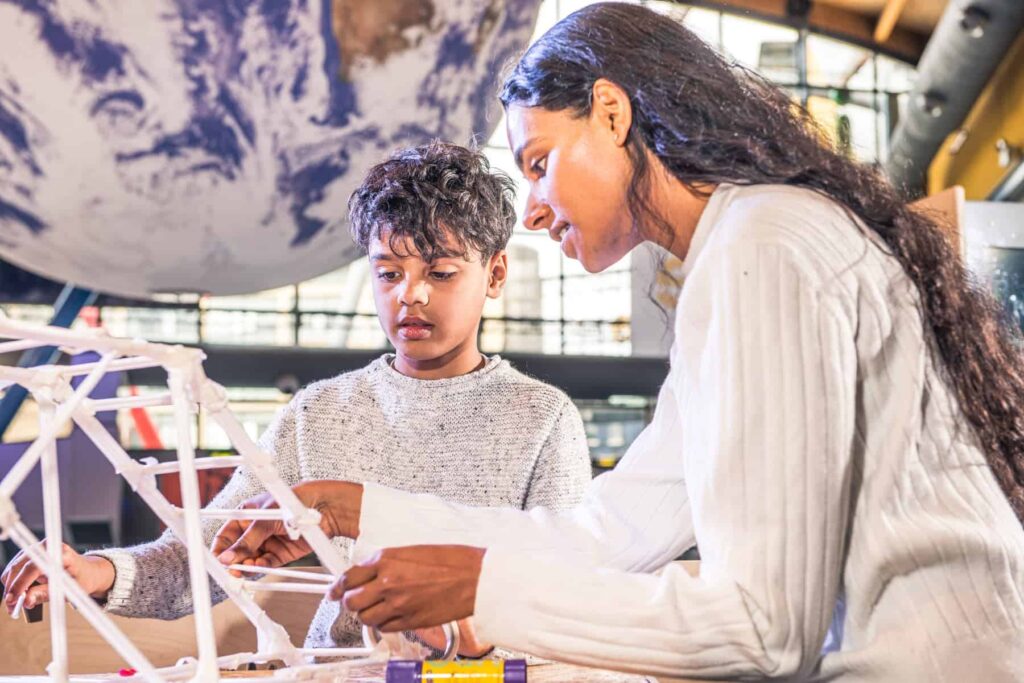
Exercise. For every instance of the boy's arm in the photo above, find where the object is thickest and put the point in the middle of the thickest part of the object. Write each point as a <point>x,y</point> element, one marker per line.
<point>562,471</point>
<point>151,579</point>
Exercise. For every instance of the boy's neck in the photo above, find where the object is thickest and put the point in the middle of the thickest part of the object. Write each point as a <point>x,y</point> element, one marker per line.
<point>459,361</point>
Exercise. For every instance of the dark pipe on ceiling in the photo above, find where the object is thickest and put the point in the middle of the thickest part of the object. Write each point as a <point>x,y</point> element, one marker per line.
<point>969,41</point>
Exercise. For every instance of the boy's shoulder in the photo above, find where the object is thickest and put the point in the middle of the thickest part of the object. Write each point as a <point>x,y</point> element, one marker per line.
<point>530,390</point>
<point>339,386</point>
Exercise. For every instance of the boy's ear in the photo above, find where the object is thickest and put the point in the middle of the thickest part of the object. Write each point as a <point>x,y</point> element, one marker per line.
<point>497,273</point>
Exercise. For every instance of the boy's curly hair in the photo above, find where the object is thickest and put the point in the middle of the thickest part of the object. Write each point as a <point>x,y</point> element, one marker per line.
<point>444,197</point>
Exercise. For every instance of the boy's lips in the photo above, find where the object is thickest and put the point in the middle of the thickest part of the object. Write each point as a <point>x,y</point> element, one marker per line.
<point>413,329</point>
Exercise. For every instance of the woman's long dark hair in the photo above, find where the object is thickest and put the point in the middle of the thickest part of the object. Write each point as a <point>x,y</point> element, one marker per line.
<point>710,122</point>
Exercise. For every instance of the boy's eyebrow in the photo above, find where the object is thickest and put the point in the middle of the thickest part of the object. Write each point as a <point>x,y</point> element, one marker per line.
<point>519,152</point>
<point>381,257</point>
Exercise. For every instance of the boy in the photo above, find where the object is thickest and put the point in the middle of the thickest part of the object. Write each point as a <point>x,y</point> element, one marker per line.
<point>436,416</point>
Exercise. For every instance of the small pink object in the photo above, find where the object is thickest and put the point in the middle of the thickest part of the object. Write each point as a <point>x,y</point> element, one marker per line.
<point>127,672</point>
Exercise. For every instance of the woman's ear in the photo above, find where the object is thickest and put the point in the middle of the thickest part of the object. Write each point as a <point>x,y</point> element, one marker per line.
<point>497,274</point>
<point>612,110</point>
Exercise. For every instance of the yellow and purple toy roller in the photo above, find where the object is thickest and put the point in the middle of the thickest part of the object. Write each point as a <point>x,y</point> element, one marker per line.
<point>469,671</point>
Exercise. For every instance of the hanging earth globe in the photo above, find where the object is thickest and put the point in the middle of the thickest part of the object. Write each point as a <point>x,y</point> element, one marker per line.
<point>211,145</point>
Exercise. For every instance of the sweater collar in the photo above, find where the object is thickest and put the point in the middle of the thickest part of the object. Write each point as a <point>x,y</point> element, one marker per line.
<point>389,374</point>
<point>705,224</point>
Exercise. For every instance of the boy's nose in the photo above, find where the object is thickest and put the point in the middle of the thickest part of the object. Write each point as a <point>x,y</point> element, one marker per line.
<point>538,215</point>
<point>414,292</point>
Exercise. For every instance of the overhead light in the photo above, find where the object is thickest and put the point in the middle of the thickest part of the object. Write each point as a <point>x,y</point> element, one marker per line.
<point>932,103</point>
<point>974,20</point>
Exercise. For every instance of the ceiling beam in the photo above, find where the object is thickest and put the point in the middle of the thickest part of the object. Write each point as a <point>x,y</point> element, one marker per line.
<point>887,19</point>
<point>832,21</point>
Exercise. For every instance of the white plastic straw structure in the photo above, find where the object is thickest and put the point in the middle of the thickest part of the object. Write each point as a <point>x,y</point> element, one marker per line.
<point>205,639</point>
<point>278,642</point>
<point>21,469</point>
<point>85,605</point>
<point>189,390</point>
<point>54,545</point>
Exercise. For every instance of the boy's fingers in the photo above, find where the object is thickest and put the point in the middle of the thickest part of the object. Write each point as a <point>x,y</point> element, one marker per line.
<point>230,532</point>
<point>25,578</point>
<point>249,543</point>
<point>37,594</point>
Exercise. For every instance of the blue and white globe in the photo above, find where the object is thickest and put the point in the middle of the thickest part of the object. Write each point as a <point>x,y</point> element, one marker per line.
<point>152,146</point>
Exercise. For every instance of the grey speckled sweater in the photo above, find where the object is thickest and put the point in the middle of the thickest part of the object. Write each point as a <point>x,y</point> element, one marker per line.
<point>492,437</point>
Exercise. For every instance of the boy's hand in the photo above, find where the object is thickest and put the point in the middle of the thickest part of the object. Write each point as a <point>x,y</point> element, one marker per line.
<point>23,577</point>
<point>265,543</point>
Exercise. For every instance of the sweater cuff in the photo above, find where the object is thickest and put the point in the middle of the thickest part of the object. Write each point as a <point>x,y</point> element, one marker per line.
<point>387,519</point>
<point>500,612</point>
<point>119,598</point>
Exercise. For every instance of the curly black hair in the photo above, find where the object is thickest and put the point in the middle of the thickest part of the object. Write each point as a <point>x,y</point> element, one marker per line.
<point>708,122</point>
<point>444,197</point>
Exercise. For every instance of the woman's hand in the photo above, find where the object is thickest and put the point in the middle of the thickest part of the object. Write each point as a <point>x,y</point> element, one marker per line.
<point>265,543</point>
<point>23,577</point>
<point>415,587</point>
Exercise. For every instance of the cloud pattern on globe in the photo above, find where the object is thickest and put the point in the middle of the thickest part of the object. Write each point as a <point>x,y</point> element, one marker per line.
<point>211,145</point>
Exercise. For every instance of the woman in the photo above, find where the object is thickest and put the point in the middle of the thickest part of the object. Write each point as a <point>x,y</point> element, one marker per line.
<point>840,431</point>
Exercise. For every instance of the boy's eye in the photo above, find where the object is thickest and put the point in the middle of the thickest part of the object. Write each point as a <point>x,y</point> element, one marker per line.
<point>442,275</point>
<point>388,275</point>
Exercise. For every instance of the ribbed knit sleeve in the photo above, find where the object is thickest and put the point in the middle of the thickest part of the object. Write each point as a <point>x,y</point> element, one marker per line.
<point>767,409</point>
<point>636,517</point>
<point>152,579</point>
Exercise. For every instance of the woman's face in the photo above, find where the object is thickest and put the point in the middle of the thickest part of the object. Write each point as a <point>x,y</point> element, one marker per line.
<point>578,172</point>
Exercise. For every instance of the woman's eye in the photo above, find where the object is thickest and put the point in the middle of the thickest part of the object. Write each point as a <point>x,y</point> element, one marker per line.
<point>441,275</point>
<point>388,275</point>
<point>539,166</point>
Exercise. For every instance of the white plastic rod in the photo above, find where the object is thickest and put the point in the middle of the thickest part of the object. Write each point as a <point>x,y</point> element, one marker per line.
<point>105,404</point>
<point>17,474</point>
<point>131,363</point>
<point>244,513</point>
<point>53,525</point>
<point>206,644</point>
<point>290,573</point>
<point>285,587</point>
<point>20,345</point>
<point>85,605</point>
<point>219,462</point>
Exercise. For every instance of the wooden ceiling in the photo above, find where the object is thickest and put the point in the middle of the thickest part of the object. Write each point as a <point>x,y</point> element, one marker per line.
<point>854,19</point>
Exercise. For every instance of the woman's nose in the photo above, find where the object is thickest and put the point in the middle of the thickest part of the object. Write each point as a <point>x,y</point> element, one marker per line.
<point>538,216</point>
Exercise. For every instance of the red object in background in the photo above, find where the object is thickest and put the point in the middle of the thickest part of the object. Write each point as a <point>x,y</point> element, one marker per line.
<point>126,672</point>
<point>144,426</point>
<point>210,483</point>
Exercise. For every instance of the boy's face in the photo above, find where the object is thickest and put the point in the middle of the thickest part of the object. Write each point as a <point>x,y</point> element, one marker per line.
<point>431,311</point>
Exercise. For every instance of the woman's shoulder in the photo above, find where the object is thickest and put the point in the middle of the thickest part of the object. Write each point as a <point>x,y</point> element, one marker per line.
<point>815,232</point>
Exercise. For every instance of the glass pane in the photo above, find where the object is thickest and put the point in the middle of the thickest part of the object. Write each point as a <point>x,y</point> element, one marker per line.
<point>850,122</point>
<point>280,299</point>
<point>833,63</point>
<point>894,75</point>
<point>248,327</point>
<point>706,24</point>
<point>154,324</point>
<point>767,48</point>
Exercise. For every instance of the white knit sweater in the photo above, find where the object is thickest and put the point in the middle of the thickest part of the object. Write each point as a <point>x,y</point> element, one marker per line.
<point>492,437</point>
<point>806,439</point>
